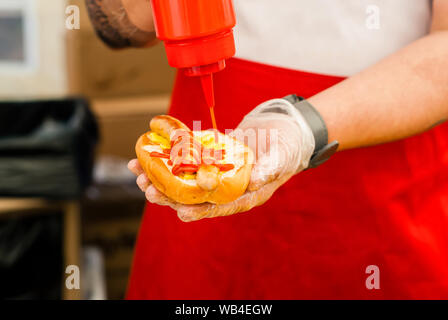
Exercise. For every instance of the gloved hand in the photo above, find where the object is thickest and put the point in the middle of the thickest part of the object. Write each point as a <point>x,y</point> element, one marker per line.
<point>283,143</point>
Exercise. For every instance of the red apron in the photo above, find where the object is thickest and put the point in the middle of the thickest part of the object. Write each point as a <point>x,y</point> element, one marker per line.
<point>385,205</point>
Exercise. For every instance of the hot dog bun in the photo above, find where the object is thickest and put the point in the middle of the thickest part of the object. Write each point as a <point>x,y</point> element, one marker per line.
<point>208,184</point>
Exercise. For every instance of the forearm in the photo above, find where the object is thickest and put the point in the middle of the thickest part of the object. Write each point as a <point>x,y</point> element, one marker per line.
<point>405,94</point>
<point>122,23</point>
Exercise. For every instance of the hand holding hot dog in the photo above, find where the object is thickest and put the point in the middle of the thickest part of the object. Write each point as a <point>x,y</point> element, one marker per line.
<point>283,144</point>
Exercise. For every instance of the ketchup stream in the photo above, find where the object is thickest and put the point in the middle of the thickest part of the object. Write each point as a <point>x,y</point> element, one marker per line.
<point>184,166</point>
<point>215,127</point>
<point>207,88</point>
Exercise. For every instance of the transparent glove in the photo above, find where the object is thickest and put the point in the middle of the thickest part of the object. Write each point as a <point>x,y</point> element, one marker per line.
<point>283,143</point>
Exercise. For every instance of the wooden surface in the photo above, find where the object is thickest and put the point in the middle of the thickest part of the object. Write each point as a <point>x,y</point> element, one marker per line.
<point>72,245</point>
<point>95,70</point>
<point>11,206</point>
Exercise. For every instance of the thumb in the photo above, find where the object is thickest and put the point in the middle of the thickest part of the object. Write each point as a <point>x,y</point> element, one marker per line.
<point>267,168</point>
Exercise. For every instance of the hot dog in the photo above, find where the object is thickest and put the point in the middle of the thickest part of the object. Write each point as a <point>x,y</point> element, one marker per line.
<point>194,167</point>
<point>208,177</point>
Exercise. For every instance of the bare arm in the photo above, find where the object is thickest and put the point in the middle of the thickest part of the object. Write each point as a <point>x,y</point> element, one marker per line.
<point>122,23</point>
<point>405,94</point>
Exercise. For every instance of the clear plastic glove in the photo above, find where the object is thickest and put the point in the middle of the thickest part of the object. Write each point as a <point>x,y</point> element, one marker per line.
<point>283,143</point>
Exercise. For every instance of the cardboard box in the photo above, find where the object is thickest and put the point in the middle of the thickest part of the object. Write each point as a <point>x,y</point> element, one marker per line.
<point>96,71</point>
<point>122,121</point>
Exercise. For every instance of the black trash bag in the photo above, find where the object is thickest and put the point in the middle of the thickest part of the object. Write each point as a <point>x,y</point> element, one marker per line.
<point>31,259</point>
<point>46,148</point>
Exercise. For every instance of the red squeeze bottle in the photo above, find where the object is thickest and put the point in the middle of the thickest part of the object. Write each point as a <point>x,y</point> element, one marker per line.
<point>198,37</point>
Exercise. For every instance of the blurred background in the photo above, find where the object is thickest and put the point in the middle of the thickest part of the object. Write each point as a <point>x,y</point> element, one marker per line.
<point>71,110</point>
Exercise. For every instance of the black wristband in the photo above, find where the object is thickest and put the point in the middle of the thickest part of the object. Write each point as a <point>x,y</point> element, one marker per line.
<point>322,150</point>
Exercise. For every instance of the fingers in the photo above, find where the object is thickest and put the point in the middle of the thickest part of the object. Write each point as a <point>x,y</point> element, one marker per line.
<point>267,169</point>
<point>135,167</point>
<point>143,182</point>
<point>155,196</point>
<point>189,213</point>
<point>152,194</point>
<point>251,199</point>
<point>186,213</point>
